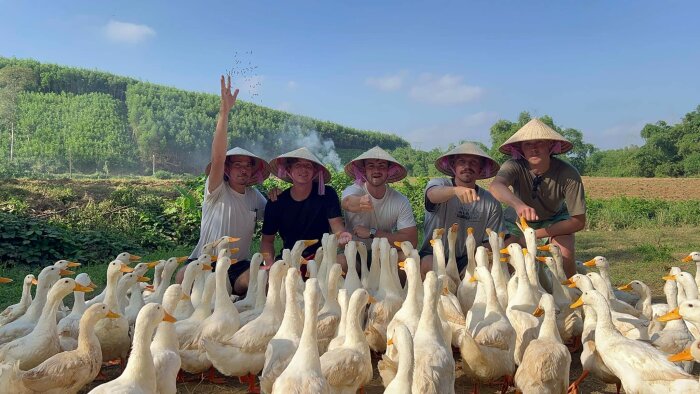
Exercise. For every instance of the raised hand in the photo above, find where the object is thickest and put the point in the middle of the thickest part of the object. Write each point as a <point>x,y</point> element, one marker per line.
<point>366,203</point>
<point>228,100</point>
<point>527,212</point>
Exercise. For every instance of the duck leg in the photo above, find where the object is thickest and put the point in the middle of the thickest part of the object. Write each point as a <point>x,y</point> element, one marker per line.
<point>507,382</point>
<point>212,378</point>
<point>250,379</point>
<point>573,388</point>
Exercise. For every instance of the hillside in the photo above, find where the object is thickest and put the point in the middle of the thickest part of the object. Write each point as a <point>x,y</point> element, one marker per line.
<point>65,119</point>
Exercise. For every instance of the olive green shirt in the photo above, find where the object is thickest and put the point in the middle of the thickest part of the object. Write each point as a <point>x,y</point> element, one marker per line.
<point>560,187</point>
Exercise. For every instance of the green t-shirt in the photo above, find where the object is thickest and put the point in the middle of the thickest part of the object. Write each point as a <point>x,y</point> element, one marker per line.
<point>560,187</point>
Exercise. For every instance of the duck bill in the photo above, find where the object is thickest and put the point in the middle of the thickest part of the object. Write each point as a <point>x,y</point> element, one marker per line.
<point>112,315</point>
<point>84,289</point>
<point>182,259</point>
<point>73,264</point>
<point>544,248</point>
<point>35,282</point>
<point>126,269</point>
<point>669,277</point>
<point>473,279</point>
<point>152,264</point>
<point>7,280</point>
<point>673,315</point>
<point>577,304</point>
<point>92,285</point>
<point>134,257</point>
<point>390,342</point>
<point>470,231</point>
<point>144,279</point>
<point>310,242</point>
<point>454,227</point>
<point>538,312</point>
<point>687,259</point>
<point>66,273</point>
<point>626,287</point>
<point>398,244</point>
<point>682,356</point>
<point>504,251</point>
<point>523,223</point>
<point>207,267</point>
<point>168,317</point>
<point>590,263</point>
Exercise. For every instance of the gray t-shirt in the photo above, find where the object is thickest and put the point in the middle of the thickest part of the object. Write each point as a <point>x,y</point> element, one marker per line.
<point>480,215</point>
<point>560,187</point>
<point>391,212</point>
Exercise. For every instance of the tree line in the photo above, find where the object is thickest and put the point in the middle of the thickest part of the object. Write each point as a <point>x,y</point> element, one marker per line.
<point>61,119</point>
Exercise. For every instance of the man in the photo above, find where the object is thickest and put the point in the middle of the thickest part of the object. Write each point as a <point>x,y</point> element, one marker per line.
<point>460,200</point>
<point>306,210</point>
<point>231,205</point>
<point>372,207</point>
<point>547,192</point>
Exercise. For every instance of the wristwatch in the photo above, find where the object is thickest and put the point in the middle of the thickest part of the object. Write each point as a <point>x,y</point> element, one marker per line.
<point>372,232</point>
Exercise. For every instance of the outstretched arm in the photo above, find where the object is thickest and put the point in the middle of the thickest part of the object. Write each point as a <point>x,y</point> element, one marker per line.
<point>220,141</point>
<point>499,189</point>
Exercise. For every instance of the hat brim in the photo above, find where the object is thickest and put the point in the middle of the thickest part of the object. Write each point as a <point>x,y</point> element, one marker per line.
<point>261,168</point>
<point>508,148</point>
<point>281,162</point>
<point>399,171</point>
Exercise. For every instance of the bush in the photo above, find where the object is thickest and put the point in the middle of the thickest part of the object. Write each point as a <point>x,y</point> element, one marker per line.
<point>162,174</point>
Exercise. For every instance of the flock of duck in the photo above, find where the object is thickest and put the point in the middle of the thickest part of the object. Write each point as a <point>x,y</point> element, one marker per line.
<point>319,334</point>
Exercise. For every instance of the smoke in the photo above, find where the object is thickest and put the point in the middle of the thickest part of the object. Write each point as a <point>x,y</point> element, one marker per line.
<point>295,133</point>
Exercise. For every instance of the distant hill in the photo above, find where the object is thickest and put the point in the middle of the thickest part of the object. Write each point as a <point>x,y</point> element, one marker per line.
<point>66,118</point>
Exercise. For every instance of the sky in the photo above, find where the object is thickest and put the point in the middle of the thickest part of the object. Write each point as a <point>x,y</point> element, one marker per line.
<point>433,73</point>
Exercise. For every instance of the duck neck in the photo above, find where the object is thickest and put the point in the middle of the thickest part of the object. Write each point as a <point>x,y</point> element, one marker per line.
<point>353,331</point>
<point>36,308</point>
<point>549,328</point>
<point>603,271</point>
<point>429,320</point>
<point>252,283</point>
<point>439,257</point>
<point>405,371</point>
<point>78,303</point>
<point>111,299</point>
<point>604,322</point>
<point>165,280</point>
<point>140,367</point>
<point>87,339</point>
<point>47,321</point>
<point>222,302</point>
<point>188,281</point>
<point>292,322</point>
<point>414,295</point>
<point>308,346</point>
<point>136,299</point>
<point>492,304</point>
<point>26,294</point>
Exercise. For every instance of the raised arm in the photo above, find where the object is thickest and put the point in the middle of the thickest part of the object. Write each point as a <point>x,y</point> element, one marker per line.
<point>440,194</point>
<point>220,141</point>
<point>499,189</point>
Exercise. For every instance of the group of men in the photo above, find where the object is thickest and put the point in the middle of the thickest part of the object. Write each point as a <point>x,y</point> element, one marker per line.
<point>534,184</point>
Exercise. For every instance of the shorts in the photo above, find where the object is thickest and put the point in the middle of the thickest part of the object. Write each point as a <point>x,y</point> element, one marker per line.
<point>234,271</point>
<point>510,218</point>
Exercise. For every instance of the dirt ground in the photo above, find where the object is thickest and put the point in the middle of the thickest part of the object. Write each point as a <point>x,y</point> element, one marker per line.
<point>462,384</point>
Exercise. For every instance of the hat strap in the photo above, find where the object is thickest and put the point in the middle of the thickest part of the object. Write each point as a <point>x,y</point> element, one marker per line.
<point>486,169</point>
<point>556,148</point>
<point>515,152</point>
<point>358,174</point>
<point>281,169</point>
<point>321,183</point>
<point>394,170</point>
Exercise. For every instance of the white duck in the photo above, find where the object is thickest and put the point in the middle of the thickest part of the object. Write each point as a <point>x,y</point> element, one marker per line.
<point>169,268</point>
<point>186,329</point>
<point>284,344</point>
<point>303,373</point>
<point>70,371</point>
<point>649,311</point>
<point>389,299</point>
<point>339,338</point>
<point>403,341</point>
<point>164,348</point>
<point>329,315</point>
<point>349,367</point>
<point>407,316</point>
<point>450,312</point>
<point>220,325</point>
<point>13,312</point>
<point>451,267</point>
<point>352,279</point>
<point>640,367</point>
<point>466,291</point>
<point>42,343</point>
<point>487,351</point>
<point>69,327</point>
<point>139,376</point>
<point>248,302</point>
<point>434,368</point>
<point>603,266</point>
<point>499,271</point>
<point>375,268</point>
<point>364,270</point>
<point>260,301</point>
<point>114,333</point>
<point>521,304</point>
<point>694,257</point>
<point>24,324</point>
<point>476,313</point>
<point>194,270</point>
<point>244,353</point>
<point>545,365</point>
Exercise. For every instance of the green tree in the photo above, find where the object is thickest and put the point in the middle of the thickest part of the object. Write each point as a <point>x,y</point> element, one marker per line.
<point>13,81</point>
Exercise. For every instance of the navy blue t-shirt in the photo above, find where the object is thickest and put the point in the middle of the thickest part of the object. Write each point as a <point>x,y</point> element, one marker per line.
<point>307,219</point>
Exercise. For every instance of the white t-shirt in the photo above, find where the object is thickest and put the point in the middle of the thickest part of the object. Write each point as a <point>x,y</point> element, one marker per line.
<point>225,212</point>
<point>391,213</point>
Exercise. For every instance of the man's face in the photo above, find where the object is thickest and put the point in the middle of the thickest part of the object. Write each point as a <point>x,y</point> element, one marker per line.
<point>301,171</point>
<point>536,151</point>
<point>376,171</point>
<point>467,168</point>
<point>239,169</point>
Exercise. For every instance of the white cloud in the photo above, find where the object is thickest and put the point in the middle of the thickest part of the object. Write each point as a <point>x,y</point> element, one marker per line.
<point>617,136</point>
<point>473,127</point>
<point>125,32</point>
<point>444,90</point>
<point>292,85</point>
<point>387,83</point>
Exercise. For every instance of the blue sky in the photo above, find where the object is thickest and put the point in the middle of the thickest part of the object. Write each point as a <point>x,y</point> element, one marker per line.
<point>431,72</point>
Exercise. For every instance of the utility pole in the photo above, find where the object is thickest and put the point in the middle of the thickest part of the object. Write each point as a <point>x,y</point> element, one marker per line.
<point>154,165</point>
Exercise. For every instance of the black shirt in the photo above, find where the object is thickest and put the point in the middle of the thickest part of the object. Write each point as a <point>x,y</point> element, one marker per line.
<point>307,219</point>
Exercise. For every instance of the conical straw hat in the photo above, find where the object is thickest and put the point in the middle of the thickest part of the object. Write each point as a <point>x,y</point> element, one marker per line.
<point>262,169</point>
<point>488,169</point>
<point>280,162</point>
<point>535,130</point>
<point>397,172</point>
